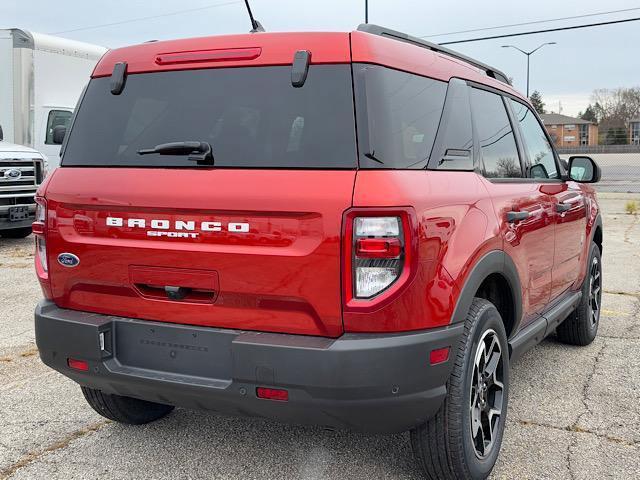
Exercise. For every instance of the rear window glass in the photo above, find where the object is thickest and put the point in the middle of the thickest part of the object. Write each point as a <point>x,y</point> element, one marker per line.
<point>398,115</point>
<point>252,117</point>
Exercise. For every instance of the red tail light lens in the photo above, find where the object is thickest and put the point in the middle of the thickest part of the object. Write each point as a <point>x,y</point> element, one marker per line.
<point>272,394</point>
<point>378,248</point>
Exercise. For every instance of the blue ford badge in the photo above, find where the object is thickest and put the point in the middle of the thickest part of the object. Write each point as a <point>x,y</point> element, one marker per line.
<point>68,260</point>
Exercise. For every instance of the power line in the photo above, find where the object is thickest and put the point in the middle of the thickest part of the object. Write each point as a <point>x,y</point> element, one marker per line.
<point>559,29</point>
<point>138,19</point>
<point>531,23</point>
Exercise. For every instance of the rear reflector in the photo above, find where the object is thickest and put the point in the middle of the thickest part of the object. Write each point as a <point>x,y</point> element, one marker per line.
<point>272,394</point>
<point>440,355</point>
<point>78,364</point>
<point>37,228</point>
<point>221,55</point>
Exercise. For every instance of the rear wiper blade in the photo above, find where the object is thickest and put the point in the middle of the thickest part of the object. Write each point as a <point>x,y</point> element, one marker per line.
<point>197,151</point>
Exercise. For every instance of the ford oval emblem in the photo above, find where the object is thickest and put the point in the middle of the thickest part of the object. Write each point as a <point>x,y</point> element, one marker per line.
<point>68,260</point>
<point>12,174</point>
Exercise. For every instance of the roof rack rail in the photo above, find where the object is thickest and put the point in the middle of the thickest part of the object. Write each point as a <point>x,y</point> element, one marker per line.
<point>403,37</point>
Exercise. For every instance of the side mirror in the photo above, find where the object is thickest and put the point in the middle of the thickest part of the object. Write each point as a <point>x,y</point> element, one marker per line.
<point>584,170</point>
<point>1,134</point>
<point>538,171</point>
<point>59,133</point>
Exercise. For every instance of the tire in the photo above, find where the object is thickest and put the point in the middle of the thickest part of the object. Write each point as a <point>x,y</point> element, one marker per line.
<point>125,409</point>
<point>444,446</point>
<point>581,326</point>
<point>16,232</point>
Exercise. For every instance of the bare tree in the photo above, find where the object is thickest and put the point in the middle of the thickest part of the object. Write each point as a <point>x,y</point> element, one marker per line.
<point>615,107</point>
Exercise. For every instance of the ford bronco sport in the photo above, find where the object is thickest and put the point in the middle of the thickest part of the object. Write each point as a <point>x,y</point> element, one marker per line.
<point>357,230</point>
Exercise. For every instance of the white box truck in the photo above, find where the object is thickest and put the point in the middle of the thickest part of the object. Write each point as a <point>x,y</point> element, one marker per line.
<point>41,79</point>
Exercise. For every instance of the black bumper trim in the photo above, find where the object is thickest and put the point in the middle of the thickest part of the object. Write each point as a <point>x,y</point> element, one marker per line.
<point>365,382</point>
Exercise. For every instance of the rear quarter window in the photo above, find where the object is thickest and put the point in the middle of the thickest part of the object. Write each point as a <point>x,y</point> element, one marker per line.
<point>252,117</point>
<point>398,116</point>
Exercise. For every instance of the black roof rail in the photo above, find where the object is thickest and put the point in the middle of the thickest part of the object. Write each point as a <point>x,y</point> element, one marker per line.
<point>403,37</point>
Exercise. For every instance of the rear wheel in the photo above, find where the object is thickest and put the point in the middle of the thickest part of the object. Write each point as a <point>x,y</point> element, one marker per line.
<point>581,327</point>
<point>463,439</point>
<point>125,409</point>
<point>16,232</point>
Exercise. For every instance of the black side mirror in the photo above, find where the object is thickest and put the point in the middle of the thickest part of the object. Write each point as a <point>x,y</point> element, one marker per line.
<point>584,170</point>
<point>59,133</point>
<point>1,134</point>
<point>538,171</point>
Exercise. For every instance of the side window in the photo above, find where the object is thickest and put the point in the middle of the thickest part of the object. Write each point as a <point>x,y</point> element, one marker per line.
<point>56,118</point>
<point>535,142</point>
<point>454,144</point>
<point>403,111</point>
<point>495,136</point>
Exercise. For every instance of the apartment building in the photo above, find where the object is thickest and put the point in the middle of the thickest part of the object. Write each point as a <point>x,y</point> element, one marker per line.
<point>634,131</point>
<point>567,132</point>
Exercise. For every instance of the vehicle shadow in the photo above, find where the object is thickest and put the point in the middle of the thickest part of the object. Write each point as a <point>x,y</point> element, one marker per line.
<point>208,445</point>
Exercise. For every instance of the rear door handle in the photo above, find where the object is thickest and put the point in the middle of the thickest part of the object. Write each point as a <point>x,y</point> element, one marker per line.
<point>513,217</point>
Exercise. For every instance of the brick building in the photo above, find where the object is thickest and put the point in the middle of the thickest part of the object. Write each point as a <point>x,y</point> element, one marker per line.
<point>634,131</point>
<point>568,132</point>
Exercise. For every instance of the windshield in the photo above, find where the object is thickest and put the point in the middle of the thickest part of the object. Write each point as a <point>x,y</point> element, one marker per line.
<point>251,117</point>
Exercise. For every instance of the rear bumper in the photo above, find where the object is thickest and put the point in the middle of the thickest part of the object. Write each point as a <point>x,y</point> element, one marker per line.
<point>364,382</point>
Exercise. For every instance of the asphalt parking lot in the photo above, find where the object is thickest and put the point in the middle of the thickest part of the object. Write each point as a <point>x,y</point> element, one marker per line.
<point>574,413</point>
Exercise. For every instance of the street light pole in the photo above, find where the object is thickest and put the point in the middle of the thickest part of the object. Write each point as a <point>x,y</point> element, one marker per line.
<point>528,54</point>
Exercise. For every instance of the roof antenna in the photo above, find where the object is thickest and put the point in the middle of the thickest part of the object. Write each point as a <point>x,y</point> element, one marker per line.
<point>257,26</point>
<point>366,11</point>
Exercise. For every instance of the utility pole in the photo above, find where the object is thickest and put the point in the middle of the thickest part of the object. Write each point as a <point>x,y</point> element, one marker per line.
<point>528,54</point>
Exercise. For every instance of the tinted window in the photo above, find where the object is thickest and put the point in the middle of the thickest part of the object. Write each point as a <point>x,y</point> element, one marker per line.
<point>252,117</point>
<point>454,145</point>
<point>398,116</point>
<point>56,118</point>
<point>495,135</point>
<point>535,141</point>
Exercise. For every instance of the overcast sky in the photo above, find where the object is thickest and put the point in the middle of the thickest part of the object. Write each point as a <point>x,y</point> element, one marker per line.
<point>583,60</point>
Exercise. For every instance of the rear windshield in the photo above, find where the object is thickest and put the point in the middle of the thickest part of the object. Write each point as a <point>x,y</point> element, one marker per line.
<point>252,117</point>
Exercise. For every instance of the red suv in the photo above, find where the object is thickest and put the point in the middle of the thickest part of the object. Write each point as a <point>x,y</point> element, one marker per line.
<point>357,230</point>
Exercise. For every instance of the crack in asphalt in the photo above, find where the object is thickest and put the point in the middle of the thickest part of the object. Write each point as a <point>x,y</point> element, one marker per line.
<point>59,445</point>
<point>574,428</point>
<point>626,294</point>
<point>627,232</point>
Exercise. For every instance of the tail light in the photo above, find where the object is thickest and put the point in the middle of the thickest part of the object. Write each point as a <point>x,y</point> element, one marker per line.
<point>377,255</point>
<point>39,228</point>
<point>377,260</point>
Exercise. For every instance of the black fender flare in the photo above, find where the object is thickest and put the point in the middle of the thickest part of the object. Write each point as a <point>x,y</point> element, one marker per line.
<point>496,261</point>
